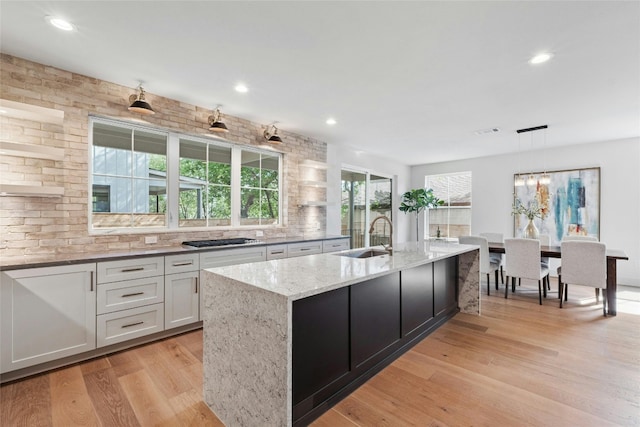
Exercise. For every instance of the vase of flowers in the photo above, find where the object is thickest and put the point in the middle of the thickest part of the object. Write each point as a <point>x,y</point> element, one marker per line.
<point>531,211</point>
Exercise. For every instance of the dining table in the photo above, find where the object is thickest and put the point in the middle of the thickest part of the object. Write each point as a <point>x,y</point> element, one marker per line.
<point>613,255</point>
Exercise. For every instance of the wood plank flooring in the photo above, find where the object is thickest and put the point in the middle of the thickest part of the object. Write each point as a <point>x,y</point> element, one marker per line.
<point>519,364</point>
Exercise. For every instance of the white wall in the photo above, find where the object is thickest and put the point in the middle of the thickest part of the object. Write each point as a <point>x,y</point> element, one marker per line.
<point>337,157</point>
<point>619,162</point>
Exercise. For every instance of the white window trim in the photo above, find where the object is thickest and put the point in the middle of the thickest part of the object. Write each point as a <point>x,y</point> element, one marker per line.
<point>173,172</point>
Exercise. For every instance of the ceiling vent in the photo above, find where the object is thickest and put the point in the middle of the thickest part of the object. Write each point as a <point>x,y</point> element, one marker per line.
<point>486,131</point>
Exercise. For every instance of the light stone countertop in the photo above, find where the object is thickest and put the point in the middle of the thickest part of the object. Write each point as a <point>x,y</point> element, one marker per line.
<point>301,277</point>
<point>54,260</point>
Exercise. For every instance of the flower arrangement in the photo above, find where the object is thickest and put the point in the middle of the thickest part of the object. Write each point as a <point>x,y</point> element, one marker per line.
<point>531,211</point>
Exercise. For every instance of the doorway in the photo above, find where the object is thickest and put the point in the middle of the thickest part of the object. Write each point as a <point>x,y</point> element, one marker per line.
<point>365,196</point>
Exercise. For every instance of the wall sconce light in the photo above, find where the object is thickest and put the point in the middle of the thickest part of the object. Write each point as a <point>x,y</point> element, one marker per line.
<point>138,104</point>
<point>271,134</point>
<point>215,125</point>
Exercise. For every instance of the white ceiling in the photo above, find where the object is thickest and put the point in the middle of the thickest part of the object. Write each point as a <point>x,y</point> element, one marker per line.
<point>410,81</point>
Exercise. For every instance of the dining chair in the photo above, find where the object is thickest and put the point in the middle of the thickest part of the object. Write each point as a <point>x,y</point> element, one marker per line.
<point>522,261</point>
<point>487,265</point>
<point>544,261</point>
<point>584,263</point>
<point>559,269</point>
<point>497,258</point>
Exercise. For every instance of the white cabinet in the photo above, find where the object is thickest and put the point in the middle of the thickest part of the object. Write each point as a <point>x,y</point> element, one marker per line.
<point>220,258</point>
<point>128,324</point>
<point>276,252</point>
<point>304,248</point>
<point>130,299</point>
<point>334,245</point>
<point>182,293</point>
<point>46,314</point>
<point>132,268</point>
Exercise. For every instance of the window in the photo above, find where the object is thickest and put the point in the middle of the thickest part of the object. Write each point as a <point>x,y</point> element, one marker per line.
<point>138,182</point>
<point>129,177</point>
<point>454,218</point>
<point>259,193</point>
<point>205,184</point>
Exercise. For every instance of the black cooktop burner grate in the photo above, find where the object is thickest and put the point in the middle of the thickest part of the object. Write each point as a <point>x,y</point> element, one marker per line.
<point>219,242</point>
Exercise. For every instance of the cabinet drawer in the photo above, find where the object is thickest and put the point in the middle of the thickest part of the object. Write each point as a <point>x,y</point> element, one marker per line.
<point>220,258</point>
<point>128,324</point>
<point>335,245</point>
<point>276,252</point>
<point>130,294</point>
<point>304,248</point>
<point>135,268</point>
<point>181,263</point>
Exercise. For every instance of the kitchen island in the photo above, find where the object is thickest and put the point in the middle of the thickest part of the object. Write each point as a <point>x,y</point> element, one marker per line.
<point>284,340</point>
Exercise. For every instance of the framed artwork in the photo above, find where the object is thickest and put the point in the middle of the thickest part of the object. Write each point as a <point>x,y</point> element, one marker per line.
<point>569,200</point>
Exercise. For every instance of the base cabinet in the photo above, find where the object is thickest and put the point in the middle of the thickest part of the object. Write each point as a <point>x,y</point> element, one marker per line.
<point>417,297</point>
<point>320,343</point>
<point>445,274</point>
<point>46,314</point>
<point>181,299</point>
<point>375,319</point>
<point>343,337</point>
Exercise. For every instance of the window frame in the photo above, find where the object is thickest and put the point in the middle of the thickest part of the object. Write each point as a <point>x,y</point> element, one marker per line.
<point>426,220</point>
<point>173,180</point>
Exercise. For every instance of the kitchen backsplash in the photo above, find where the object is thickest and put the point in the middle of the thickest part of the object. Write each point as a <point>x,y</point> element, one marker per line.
<point>42,226</point>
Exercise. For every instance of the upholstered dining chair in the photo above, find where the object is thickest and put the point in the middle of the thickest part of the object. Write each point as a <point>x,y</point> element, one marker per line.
<point>584,263</point>
<point>522,261</point>
<point>496,258</point>
<point>559,269</point>
<point>487,265</point>
<point>544,261</point>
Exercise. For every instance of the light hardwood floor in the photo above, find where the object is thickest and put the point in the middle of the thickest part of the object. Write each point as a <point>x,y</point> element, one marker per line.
<point>518,364</point>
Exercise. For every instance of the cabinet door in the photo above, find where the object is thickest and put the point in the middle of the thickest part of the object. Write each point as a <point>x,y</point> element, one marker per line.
<point>46,313</point>
<point>335,245</point>
<point>223,257</point>
<point>320,342</point>
<point>276,252</point>
<point>182,299</point>
<point>444,285</point>
<point>375,318</point>
<point>417,297</point>
<point>304,248</point>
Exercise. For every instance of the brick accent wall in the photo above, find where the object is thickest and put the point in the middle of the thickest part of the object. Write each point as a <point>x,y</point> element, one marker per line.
<point>42,227</point>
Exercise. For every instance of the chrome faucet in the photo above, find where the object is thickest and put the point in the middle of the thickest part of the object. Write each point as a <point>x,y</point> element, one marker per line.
<point>388,247</point>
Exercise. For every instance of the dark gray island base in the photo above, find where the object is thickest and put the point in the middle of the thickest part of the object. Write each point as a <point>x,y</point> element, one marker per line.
<point>280,357</point>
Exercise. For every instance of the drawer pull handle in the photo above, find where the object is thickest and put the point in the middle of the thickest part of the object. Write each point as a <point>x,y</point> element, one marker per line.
<point>132,294</point>
<point>180,264</point>
<point>129,270</point>
<point>132,324</point>
<point>277,252</point>
<point>305,249</point>
<point>336,246</point>
<point>92,281</point>
<point>196,284</point>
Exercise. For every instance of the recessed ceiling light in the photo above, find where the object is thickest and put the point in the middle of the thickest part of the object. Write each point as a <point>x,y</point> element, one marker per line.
<point>3,111</point>
<point>331,121</point>
<point>240,87</point>
<point>540,58</point>
<point>60,23</point>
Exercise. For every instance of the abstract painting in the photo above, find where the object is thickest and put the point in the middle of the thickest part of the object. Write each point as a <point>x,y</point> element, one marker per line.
<point>570,202</point>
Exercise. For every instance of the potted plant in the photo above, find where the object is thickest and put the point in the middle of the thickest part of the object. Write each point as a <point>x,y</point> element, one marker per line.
<point>418,200</point>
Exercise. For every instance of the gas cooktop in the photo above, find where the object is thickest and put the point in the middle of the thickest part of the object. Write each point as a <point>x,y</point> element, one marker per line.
<point>219,242</point>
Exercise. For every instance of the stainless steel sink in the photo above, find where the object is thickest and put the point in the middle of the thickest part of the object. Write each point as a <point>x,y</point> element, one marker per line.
<point>366,253</point>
